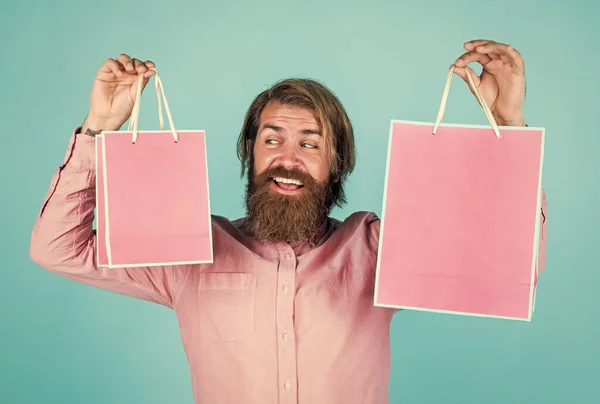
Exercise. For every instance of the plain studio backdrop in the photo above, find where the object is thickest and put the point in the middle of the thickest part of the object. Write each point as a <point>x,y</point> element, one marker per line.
<point>63,342</point>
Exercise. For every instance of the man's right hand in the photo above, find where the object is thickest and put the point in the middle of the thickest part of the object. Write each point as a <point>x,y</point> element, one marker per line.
<point>114,90</point>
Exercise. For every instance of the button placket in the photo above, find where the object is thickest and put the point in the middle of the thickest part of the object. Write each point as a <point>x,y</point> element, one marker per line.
<point>285,324</point>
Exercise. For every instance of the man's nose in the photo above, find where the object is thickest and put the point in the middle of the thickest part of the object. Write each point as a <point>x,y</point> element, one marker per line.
<point>289,158</point>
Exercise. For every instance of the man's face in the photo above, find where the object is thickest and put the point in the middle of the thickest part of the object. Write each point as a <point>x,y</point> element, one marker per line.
<point>289,192</point>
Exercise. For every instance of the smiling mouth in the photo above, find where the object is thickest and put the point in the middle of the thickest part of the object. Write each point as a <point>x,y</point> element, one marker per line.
<point>287,184</point>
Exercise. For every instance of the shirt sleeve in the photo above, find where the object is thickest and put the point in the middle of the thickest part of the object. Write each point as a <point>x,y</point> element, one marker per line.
<point>375,223</point>
<point>64,242</point>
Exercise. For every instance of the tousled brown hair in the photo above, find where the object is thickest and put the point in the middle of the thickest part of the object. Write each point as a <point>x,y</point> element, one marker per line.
<point>337,130</point>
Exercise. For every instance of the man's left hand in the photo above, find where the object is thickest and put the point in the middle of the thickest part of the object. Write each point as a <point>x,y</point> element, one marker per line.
<point>502,80</point>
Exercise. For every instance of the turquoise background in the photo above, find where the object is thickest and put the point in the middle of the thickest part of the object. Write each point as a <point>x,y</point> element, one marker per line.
<point>61,342</point>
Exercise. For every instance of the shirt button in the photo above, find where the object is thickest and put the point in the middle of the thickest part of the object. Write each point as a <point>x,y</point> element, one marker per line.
<point>287,385</point>
<point>286,288</point>
<point>288,256</point>
<point>285,336</point>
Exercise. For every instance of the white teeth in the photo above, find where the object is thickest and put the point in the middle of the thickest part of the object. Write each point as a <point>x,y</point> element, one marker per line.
<point>287,181</point>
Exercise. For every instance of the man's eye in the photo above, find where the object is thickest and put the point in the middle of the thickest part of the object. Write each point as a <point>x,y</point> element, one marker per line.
<point>271,141</point>
<point>309,146</point>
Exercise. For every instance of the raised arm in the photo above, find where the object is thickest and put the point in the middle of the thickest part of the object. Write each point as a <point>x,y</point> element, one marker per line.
<point>63,240</point>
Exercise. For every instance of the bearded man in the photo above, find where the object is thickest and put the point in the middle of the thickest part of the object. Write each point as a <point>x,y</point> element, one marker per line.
<point>285,313</point>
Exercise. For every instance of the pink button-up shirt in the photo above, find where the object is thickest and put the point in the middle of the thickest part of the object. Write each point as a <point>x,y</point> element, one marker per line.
<point>266,323</point>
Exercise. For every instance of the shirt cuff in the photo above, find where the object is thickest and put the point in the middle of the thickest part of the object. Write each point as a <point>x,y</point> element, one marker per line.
<point>81,152</point>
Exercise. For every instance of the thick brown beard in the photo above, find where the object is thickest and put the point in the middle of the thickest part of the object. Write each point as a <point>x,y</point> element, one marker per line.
<point>288,218</point>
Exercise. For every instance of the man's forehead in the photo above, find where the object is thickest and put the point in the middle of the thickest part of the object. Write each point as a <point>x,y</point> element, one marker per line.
<point>288,113</point>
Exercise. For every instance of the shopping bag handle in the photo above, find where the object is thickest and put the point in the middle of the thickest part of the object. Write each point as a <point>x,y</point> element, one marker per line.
<point>486,108</point>
<point>160,94</point>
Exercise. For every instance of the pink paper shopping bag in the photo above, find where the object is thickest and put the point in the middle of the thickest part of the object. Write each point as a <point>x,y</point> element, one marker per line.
<point>461,218</point>
<point>152,195</point>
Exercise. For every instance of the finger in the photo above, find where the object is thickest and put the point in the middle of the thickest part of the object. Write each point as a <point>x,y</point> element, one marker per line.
<point>113,66</point>
<point>497,56</point>
<point>460,71</point>
<point>151,66</point>
<point>127,62</point>
<point>146,69</point>
<point>139,66</point>
<point>471,45</point>
<point>493,55</point>
<point>506,59</point>
<point>495,47</point>
<point>495,67</point>
<point>471,57</point>
<point>506,52</point>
